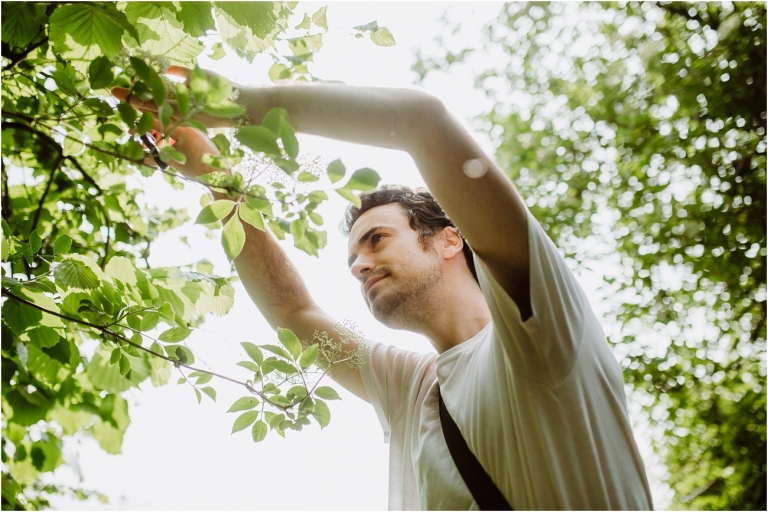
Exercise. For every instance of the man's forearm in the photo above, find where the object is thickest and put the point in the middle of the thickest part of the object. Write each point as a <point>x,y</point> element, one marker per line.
<point>269,277</point>
<point>389,118</point>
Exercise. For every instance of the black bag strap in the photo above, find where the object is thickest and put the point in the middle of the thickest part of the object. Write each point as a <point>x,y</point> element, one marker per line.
<point>485,492</point>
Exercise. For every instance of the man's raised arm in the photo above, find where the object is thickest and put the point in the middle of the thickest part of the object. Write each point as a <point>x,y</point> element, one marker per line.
<point>268,275</point>
<point>472,190</point>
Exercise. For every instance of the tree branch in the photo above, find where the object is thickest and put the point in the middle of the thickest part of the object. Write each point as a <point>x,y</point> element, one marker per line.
<point>107,331</point>
<point>45,192</point>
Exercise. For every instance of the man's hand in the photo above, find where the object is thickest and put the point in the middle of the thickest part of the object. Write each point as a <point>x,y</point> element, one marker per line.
<point>190,142</point>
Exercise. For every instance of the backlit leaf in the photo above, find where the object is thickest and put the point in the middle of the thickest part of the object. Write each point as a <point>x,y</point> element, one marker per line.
<point>289,340</point>
<point>233,237</point>
<point>253,352</point>
<point>328,393</point>
<point>217,210</point>
<point>75,274</point>
<point>251,215</point>
<point>336,171</point>
<point>244,404</point>
<point>244,421</point>
<point>259,431</point>
<point>258,139</point>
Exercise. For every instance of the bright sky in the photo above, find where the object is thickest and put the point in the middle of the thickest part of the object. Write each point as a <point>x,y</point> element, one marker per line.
<point>178,455</point>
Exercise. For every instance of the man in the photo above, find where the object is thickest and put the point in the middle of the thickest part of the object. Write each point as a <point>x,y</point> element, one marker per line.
<point>522,363</point>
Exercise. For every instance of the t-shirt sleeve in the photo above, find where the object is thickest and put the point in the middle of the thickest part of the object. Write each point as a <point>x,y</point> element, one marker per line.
<point>544,348</point>
<point>391,378</point>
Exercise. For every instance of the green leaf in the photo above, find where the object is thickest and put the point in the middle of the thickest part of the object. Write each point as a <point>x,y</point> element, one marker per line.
<point>284,367</point>
<point>244,404</point>
<point>160,33</point>
<point>202,377</point>
<point>175,334</point>
<point>171,155</point>
<point>290,341</point>
<point>298,229</point>
<point>218,52</point>
<point>182,98</point>
<point>35,242</point>
<point>125,365</point>
<point>251,215</point>
<point>258,17</point>
<point>278,72</point>
<point>150,77</point>
<point>258,139</point>
<point>219,91</point>
<point>259,431</point>
<point>304,25</point>
<point>364,179</point>
<point>227,109</point>
<point>276,350</point>
<point>244,421</point>
<point>184,355</point>
<point>198,395</point>
<point>161,369</point>
<point>306,177</point>
<point>349,195</point>
<point>82,31</point>
<point>198,82</point>
<point>308,357</point>
<point>145,123</point>
<point>75,274</point>
<point>62,245</point>
<point>127,113</point>
<point>196,125</point>
<point>319,18</point>
<point>233,237</point>
<point>321,413</point>
<point>327,393</point>
<point>316,218</point>
<point>21,22</point>
<point>149,321</point>
<point>196,17</point>
<point>370,27</point>
<point>164,112</point>
<point>100,72</point>
<point>383,37</point>
<point>262,205</point>
<point>253,352</point>
<point>217,210</point>
<point>290,143</point>
<point>336,171</point>
<point>116,355</point>
<point>249,365</point>
<point>210,392</point>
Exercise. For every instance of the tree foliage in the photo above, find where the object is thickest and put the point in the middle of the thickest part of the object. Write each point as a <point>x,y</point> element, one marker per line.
<point>636,133</point>
<point>84,316</point>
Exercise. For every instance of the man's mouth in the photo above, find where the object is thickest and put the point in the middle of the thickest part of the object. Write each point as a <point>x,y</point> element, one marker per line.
<point>371,282</point>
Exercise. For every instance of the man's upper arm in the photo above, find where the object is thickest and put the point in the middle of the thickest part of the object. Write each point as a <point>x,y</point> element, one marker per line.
<point>487,209</point>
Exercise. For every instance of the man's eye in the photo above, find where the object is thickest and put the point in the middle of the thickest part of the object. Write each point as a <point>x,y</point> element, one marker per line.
<point>376,238</point>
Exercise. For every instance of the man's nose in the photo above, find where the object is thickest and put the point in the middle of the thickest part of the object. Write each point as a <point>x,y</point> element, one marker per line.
<point>362,265</point>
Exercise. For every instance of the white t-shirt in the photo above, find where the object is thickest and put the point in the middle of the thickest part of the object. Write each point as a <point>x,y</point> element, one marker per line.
<point>540,403</point>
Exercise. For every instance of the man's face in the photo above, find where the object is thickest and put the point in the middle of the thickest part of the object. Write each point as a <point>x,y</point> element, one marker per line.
<point>397,276</point>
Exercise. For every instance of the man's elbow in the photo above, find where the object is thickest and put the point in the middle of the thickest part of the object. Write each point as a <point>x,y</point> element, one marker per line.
<point>427,115</point>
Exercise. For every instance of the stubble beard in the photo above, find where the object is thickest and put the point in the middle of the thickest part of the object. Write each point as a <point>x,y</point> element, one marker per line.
<point>408,300</point>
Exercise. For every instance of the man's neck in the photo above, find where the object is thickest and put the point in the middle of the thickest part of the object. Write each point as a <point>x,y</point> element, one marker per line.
<point>463,314</point>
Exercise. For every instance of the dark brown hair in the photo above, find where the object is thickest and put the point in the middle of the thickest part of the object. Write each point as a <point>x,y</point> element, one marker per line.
<point>424,214</point>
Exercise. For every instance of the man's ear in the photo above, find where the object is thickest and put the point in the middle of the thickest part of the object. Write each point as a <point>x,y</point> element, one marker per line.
<point>451,242</point>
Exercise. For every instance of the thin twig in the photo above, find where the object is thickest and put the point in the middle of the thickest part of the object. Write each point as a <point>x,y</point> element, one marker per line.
<point>107,331</point>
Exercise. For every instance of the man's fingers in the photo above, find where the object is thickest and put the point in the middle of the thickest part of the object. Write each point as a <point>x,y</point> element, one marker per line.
<point>179,71</point>
<point>124,95</point>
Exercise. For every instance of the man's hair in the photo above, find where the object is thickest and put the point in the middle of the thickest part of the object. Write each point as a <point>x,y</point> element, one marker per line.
<point>424,214</point>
